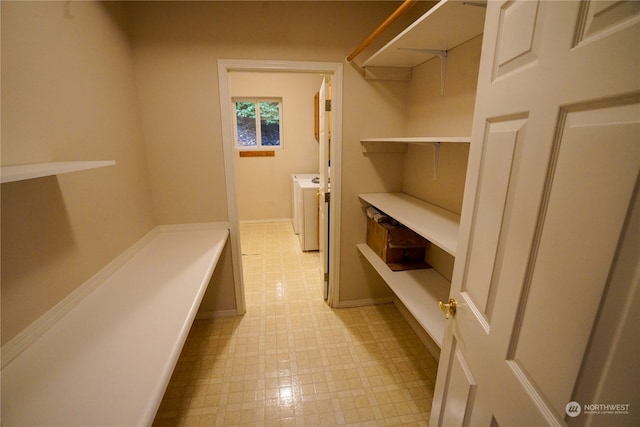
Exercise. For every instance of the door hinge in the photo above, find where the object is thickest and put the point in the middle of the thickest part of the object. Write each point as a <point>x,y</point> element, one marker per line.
<point>327,197</point>
<point>327,105</point>
<point>326,277</point>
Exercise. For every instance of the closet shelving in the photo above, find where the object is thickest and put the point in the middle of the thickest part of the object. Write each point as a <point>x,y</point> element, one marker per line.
<point>435,224</point>
<point>38,170</point>
<point>419,290</point>
<point>448,24</point>
<point>419,140</point>
<point>445,26</point>
<point>399,145</point>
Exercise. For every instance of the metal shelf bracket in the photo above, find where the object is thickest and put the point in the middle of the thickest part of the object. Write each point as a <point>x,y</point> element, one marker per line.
<point>442,54</point>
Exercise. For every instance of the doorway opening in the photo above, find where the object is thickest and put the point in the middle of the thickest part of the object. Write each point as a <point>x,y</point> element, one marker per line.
<point>226,70</point>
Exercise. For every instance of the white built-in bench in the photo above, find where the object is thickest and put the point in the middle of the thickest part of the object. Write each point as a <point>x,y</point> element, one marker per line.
<point>108,359</point>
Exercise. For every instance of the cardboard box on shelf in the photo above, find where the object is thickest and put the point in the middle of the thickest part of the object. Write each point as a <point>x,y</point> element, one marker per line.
<point>398,246</point>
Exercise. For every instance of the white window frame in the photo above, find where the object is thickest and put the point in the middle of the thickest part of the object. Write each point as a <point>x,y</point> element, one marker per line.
<point>258,145</point>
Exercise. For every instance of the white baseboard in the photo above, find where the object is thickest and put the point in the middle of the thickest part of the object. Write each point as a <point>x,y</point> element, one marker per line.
<point>364,302</point>
<point>264,221</point>
<point>193,226</point>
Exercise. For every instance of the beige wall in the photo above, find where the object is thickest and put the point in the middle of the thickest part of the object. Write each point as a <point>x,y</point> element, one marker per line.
<point>263,184</point>
<point>430,113</point>
<point>371,109</point>
<point>176,47</point>
<point>68,93</point>
<point>451,114</point>
<point>220,298</point>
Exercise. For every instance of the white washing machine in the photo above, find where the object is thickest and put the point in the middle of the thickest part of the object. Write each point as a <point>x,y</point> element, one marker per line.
<point>305,210</point>
<point>296,212</point>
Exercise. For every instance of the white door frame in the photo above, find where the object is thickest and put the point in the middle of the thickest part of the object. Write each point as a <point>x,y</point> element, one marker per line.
<point>225,66</point>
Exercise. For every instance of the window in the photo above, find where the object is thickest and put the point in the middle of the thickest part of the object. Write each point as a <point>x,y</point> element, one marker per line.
<point>257,123</point>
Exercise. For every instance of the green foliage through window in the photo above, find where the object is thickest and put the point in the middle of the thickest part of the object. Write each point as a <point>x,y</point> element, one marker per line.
<point>257,127</point>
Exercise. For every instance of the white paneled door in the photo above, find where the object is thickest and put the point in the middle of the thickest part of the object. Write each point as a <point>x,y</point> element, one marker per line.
<point>324,191</point>
<point>547,273</point>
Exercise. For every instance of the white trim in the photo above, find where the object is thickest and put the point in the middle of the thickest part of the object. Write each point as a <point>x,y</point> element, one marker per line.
<point>229,151</point>
<point>335,69</point>
<point>365,302</point>
<point>335,210</point>
<point>31,333</point>
<point>194,226</point>
<point>265,221</point>
<point>256,100</point>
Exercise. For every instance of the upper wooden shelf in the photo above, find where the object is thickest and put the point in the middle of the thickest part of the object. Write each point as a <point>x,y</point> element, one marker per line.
<point>445,26</point>
<point>38,170</point>
<point>435,224</point>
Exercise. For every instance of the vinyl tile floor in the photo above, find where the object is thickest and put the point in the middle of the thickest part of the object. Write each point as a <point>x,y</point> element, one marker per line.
<point>292,360</point>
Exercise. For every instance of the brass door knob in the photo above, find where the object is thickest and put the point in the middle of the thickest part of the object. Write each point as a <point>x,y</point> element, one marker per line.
<point>448,308</point>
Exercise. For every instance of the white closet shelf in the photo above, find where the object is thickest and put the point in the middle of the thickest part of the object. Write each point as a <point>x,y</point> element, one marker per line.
<point>419,290</point>
<point>448,24</point>
<point>435,224</point>
<point>38,170</point>
<point>105,356</point>
<point>399,144</point>
<point>420,140</point>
